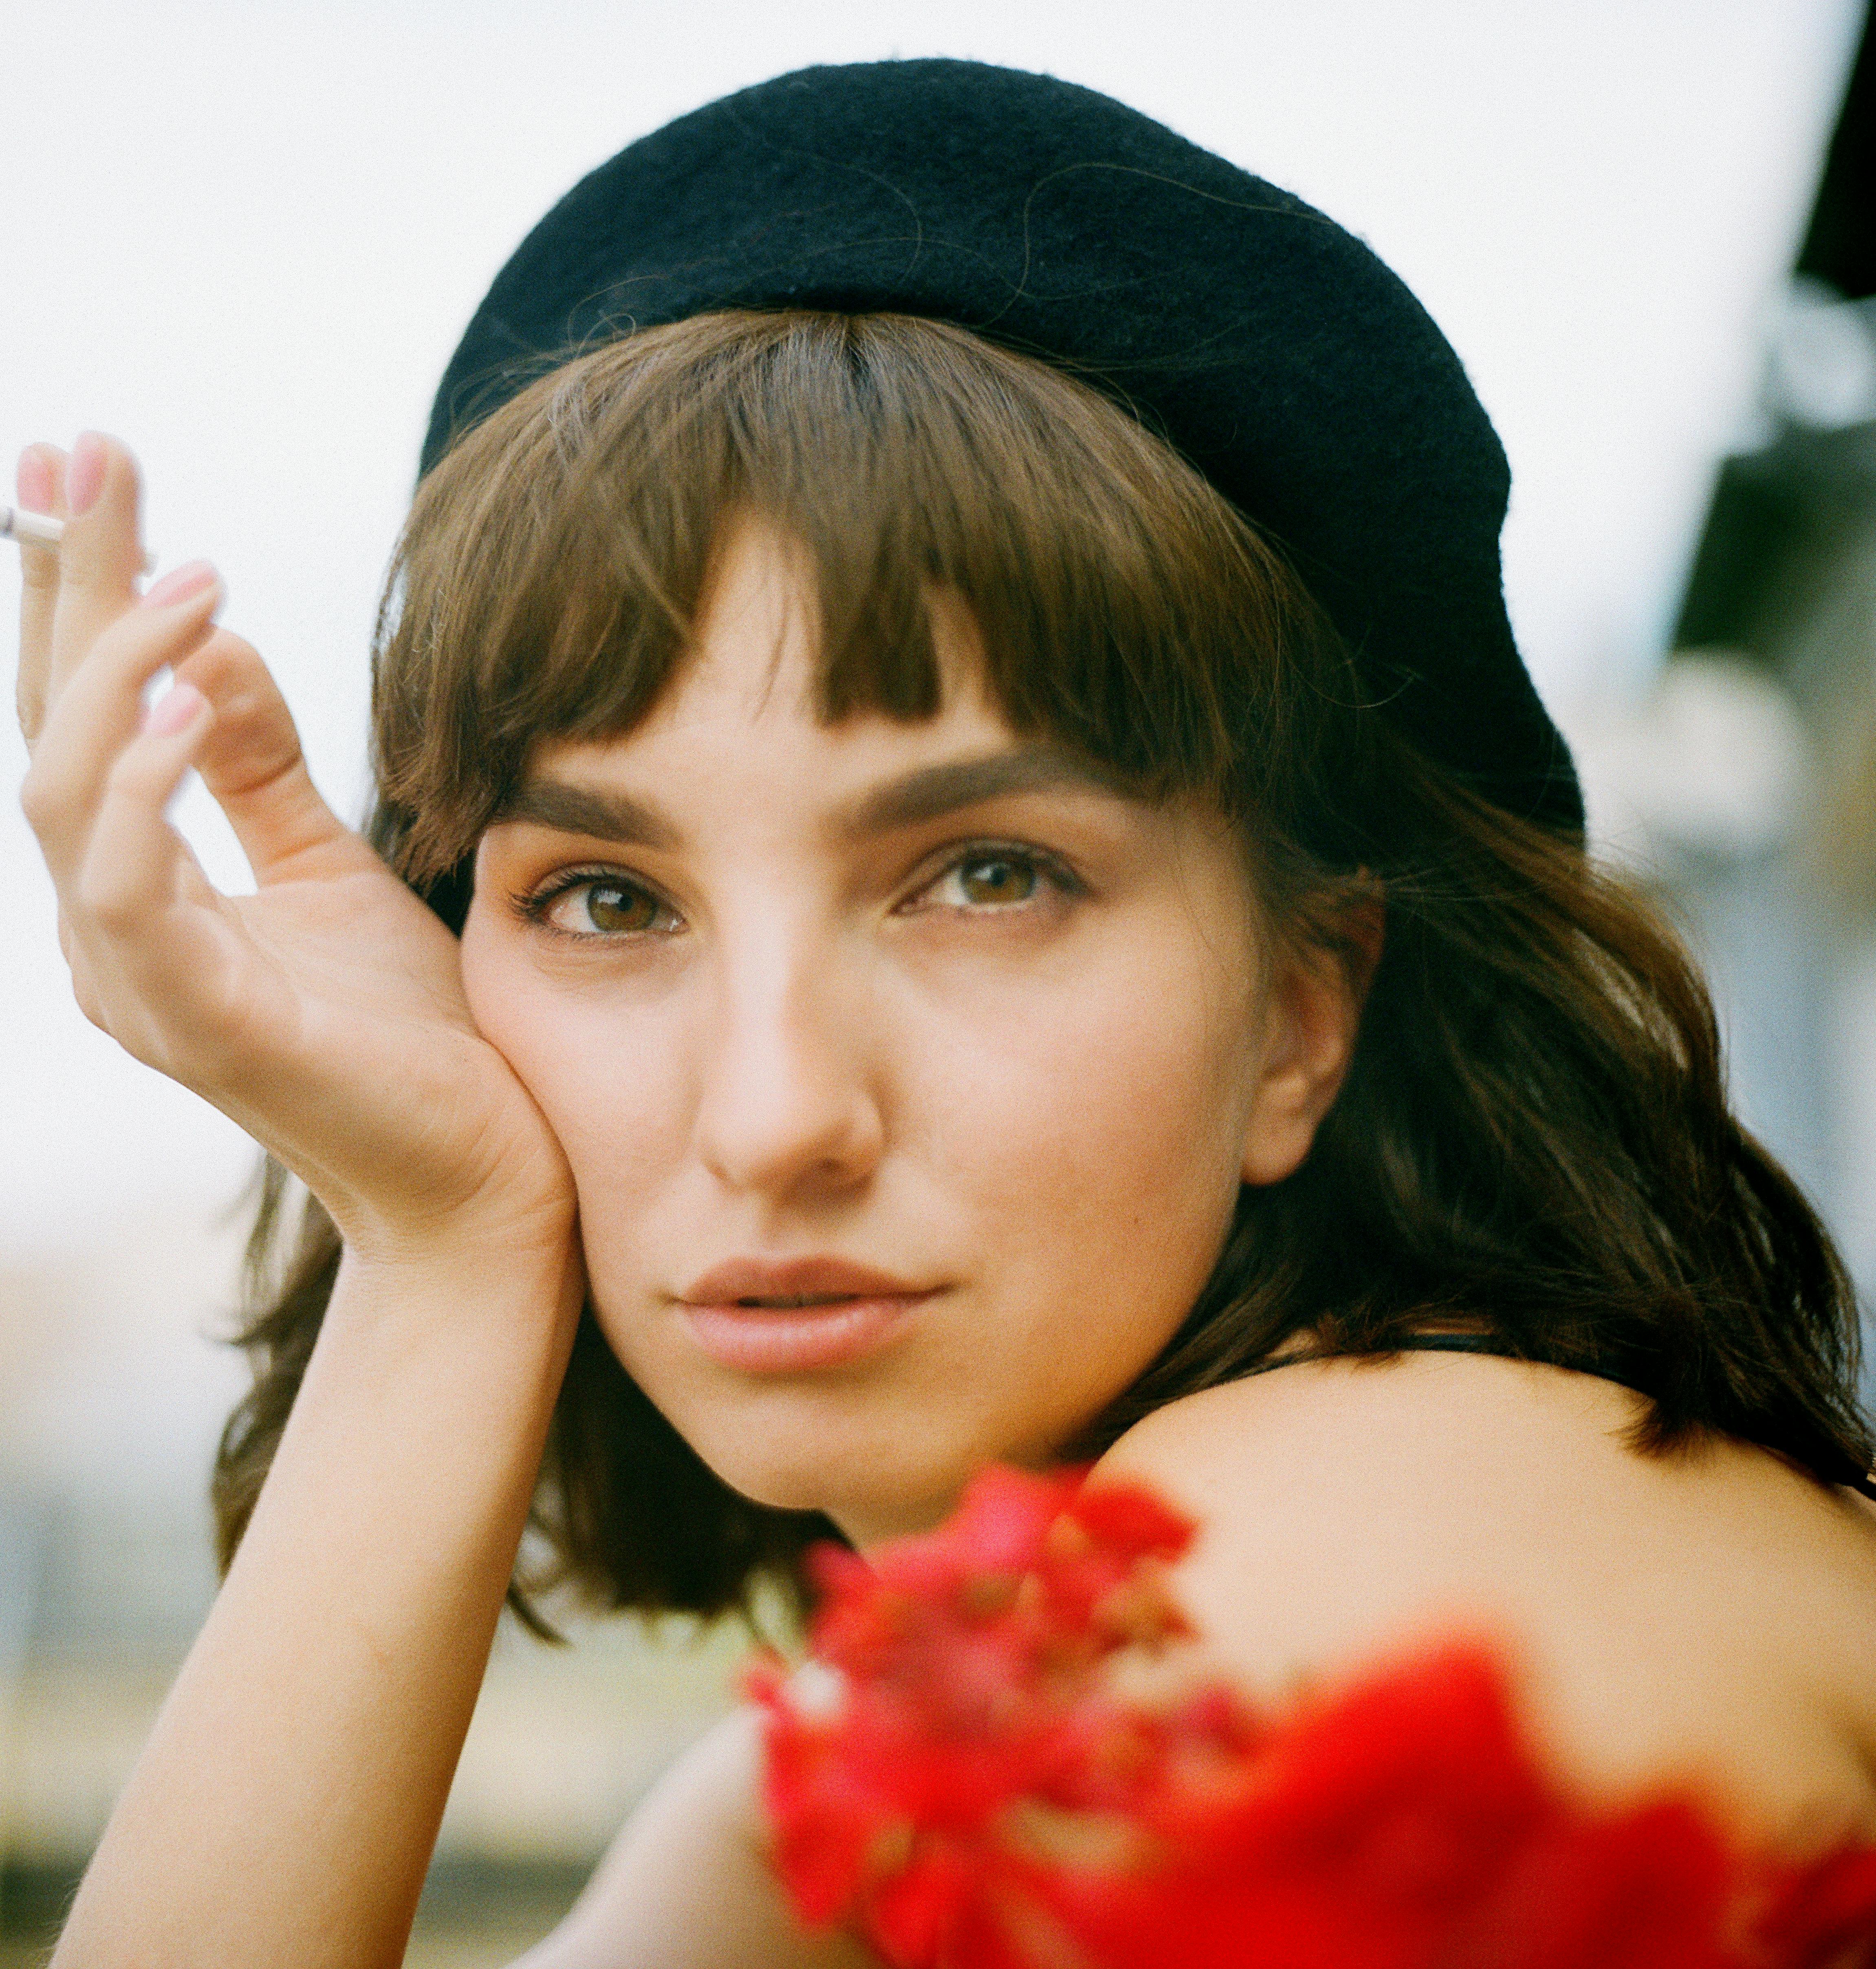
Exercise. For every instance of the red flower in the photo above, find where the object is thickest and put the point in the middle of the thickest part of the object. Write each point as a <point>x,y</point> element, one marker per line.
<point>1824,1916</point>
<point>970,1774</point>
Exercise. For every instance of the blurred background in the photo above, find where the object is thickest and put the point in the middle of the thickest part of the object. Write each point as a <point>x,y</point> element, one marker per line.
<point>246,235</point>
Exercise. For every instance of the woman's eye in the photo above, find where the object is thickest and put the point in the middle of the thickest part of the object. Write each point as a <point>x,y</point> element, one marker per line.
<point>997,879</point>
<point>602,907</point>
<point>990,879</point>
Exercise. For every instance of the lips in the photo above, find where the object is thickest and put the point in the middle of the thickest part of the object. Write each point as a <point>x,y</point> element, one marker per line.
<point>794,1316</point>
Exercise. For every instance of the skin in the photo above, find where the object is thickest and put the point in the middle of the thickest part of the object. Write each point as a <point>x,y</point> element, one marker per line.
<point>319,1715</point>
<point>823,1038</point>
<point>1021,1050</point>
<point>1703,1619</point>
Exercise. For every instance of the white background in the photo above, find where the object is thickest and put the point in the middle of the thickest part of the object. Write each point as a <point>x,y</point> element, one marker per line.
<point>246,235</point>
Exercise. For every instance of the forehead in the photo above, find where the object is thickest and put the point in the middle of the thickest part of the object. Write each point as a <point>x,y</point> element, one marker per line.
<point>748,685</point>
<point>737,758</point>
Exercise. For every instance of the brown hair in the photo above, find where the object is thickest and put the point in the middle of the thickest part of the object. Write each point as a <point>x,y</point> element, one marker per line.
<point>1533,1143</point>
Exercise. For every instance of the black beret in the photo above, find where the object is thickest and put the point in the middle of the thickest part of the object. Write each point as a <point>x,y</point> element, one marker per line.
<point>1270,346</point>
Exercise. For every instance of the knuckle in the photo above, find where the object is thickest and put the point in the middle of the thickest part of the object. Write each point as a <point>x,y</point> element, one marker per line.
<point>231,674</point>
<point>87,564</point>
<point>135,775</point>
<point>106,902</point>
<point>113,642</point>
<point>91,1005</point>
<point>41,800</point>
<point>239,653</point>
<point>104,898</point>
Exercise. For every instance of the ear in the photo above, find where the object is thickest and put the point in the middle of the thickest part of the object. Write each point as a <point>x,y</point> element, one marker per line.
<point>1311,1016</point>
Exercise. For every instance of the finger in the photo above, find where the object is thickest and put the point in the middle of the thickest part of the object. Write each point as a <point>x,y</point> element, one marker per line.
<point>90,722</point>
<point>101,555</point>
<point>40,487</point>
<point>252,763</point>
<point>78,962</point>
<point>90,999</point>
<point>138,960</point>
<point>134,857</point>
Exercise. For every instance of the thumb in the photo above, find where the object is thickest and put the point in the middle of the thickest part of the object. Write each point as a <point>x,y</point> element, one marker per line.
<point>252,763</point>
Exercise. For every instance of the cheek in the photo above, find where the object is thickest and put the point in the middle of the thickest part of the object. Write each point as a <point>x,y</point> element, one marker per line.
<point>611,1092</point>
<point>1073,1131</point>
<point>1099,1131</point>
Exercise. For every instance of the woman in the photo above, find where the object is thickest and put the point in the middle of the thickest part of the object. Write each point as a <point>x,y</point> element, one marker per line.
<point>916,939</point>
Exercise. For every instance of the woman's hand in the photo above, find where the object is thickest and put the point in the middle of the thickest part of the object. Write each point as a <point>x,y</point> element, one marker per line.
<point>306,1749</point>
<point>325,1013</point>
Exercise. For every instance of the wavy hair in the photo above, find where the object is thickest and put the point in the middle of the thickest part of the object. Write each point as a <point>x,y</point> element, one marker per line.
<point>1533,1145</point>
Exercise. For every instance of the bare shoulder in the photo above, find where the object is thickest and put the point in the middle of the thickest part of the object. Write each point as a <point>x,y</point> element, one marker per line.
<point>1708,1616</point>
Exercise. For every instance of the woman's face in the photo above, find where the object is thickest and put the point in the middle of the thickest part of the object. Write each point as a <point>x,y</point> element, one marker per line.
<point>920,1023</point>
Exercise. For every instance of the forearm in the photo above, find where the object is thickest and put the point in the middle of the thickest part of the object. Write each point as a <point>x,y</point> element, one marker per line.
<point>285,1807</point>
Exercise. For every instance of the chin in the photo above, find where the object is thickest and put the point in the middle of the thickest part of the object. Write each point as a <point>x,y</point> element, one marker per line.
<point>869,1489</point>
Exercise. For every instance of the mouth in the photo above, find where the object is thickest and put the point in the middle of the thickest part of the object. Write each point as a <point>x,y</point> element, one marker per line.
<point>796,1316</point>
<point>795,1302</point>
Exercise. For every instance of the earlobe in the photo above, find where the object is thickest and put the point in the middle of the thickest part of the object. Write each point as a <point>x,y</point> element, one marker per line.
<point>1311,1018</point>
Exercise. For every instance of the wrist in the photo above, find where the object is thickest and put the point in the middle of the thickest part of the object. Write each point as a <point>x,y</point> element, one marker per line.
<point>520,1285</point>
<point>508,1240</point>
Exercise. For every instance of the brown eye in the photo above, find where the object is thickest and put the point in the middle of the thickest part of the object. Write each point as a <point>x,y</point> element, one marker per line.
<point>991,880</point>
<point>598,906</point>
<point>612,908</point>
<point>987,878</point>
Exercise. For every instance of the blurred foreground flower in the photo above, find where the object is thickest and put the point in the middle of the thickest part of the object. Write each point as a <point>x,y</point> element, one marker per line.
<point>978,1769</point>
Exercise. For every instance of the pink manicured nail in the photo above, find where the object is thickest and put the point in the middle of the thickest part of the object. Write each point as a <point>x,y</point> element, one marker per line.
<point>175,709</point>
<point>179,584</point>
<point>84,477</point>
<point>33,482</point>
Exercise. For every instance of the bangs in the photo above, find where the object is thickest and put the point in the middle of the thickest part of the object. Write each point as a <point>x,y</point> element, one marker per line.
<point>549,579</point>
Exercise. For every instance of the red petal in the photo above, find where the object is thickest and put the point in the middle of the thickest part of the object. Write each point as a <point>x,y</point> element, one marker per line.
<point>1126,1519</point>
<point>1825,1918</point>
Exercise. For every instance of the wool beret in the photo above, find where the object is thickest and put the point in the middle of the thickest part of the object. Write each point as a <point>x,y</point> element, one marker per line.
<point>1270,347</point>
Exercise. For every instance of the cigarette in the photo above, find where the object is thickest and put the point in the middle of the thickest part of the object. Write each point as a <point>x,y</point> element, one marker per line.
<point>41,530</point>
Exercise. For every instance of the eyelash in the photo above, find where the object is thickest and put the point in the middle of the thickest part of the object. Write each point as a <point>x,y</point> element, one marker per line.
<point>1045,867</point>
<point>535,904</point>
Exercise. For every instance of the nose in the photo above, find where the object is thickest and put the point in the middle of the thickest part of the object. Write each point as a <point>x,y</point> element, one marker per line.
<point>787,1105</point>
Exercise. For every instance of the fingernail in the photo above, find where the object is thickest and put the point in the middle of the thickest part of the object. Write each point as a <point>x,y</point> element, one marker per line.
<point>33,482</point>
<point>176,708</point>
<point>178,584</point>
<point>84,477</point>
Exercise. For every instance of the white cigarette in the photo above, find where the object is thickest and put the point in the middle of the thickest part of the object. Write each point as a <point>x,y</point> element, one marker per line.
<point>41,530</point>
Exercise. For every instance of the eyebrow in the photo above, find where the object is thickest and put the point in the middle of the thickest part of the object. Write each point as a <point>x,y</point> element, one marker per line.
<point>934,791</point>
<point>928,794</point>
<point>570,809</point>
